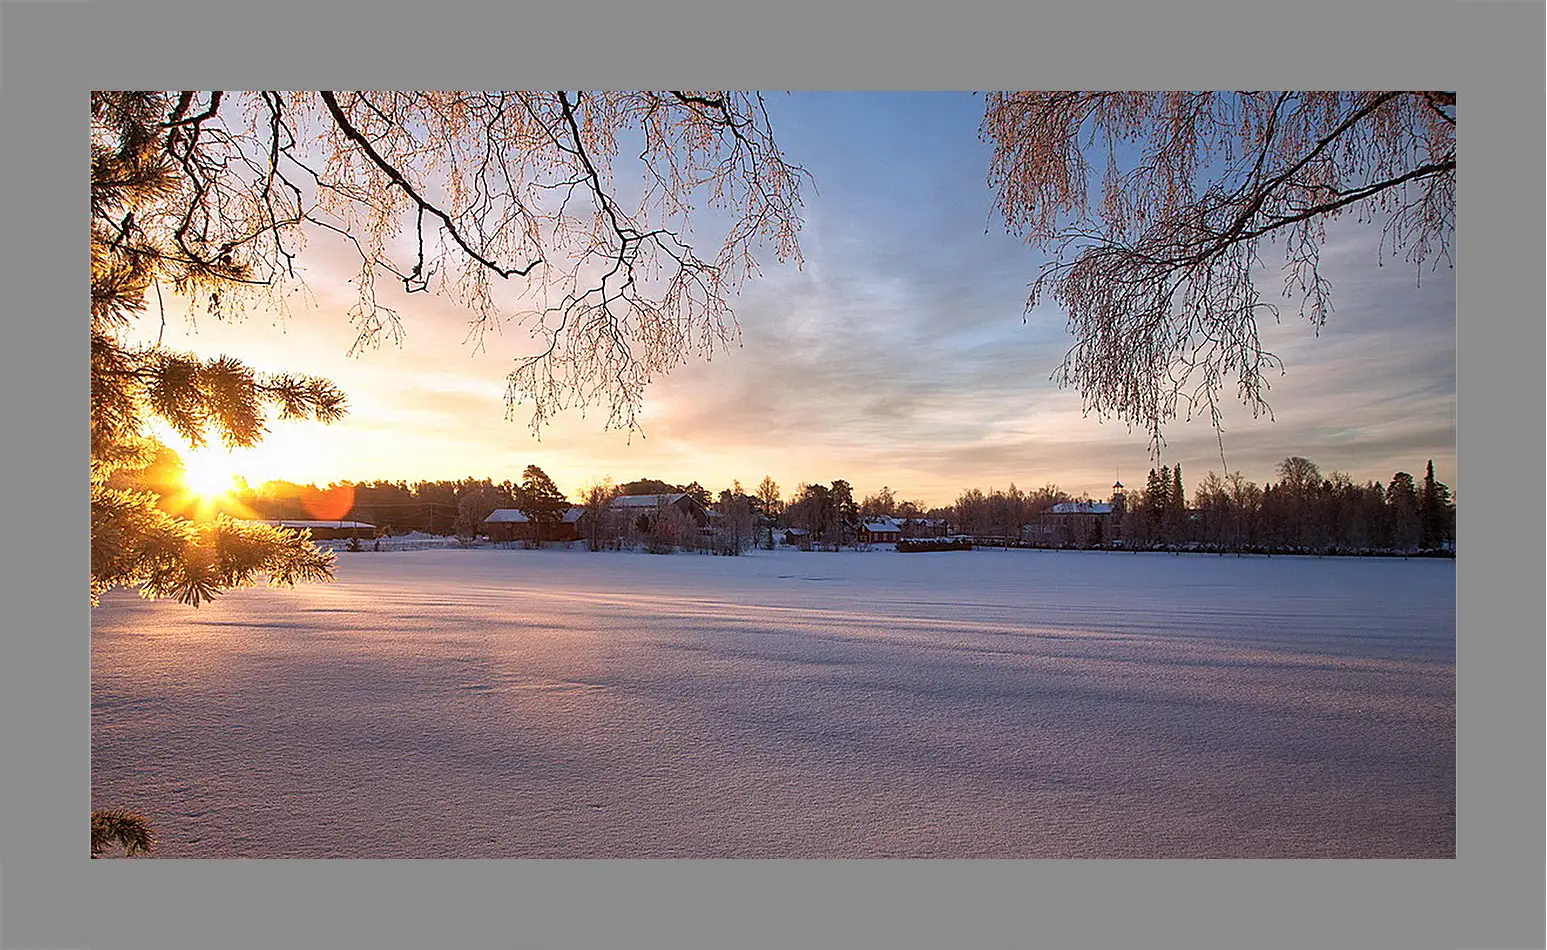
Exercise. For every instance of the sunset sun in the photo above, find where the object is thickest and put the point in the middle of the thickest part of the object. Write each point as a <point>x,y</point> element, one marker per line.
<point>208,472</point>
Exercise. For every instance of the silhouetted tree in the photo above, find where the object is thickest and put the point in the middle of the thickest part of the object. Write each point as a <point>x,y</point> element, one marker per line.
<point>698,493</point>
<point>1406,529</point>
<point>648,486</point>
<point>1435,512</point>
<point>541,501</point>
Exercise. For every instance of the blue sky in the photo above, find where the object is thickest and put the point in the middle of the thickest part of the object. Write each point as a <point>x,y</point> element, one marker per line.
<point>901,354</point>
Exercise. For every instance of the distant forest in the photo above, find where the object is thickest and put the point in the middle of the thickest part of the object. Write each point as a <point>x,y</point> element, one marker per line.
<point>1304,511</point>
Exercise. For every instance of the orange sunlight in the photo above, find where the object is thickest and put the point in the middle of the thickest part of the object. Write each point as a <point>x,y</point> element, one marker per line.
<point>208,472</point>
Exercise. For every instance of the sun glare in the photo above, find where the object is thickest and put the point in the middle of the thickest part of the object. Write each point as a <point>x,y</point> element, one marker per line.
<point>208,473</point>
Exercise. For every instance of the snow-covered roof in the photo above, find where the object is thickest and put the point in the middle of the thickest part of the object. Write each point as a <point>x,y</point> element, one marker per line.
<point>885,524</point>
<point>506,515</point>
<point>646,501</point>
<point>1081,508</point>
<point>517,516</point>
<point>288,523</point>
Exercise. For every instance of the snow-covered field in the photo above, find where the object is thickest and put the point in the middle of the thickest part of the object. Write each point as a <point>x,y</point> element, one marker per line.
<point>511,703</point>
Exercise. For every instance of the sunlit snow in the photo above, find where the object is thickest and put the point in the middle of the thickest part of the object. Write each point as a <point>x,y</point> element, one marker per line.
<point>562,703</point>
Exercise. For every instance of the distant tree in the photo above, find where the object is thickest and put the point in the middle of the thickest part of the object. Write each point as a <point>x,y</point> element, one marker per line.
<point>970,512</point>
<point>812,508</point>
<point>476,500</point>
<point>541,501</point>
<point>1157,274</point>
<point>670,529</point>
<point>597,500</point>
<point>1406,528</point>
<point>698,493</point>
<point>733,530</point>
<point>1298,475</point>
<point>1245,505</point>
<point>437,503</point>
<point>1435,511</point>
<point>1299,481</point>
<point>1176,523</point>
<point>1157,496</point>
<point>845,512</point>
<point>1212,499</point>
<point>1044,498</point>
<point>768,497</point>
<point>882,502</point>
<point>648,486</point>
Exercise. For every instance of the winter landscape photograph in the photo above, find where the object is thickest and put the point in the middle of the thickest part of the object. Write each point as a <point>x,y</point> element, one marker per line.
<point>724,474</point>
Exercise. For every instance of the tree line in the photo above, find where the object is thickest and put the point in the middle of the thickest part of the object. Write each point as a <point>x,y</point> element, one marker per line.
<point>1303,510</point>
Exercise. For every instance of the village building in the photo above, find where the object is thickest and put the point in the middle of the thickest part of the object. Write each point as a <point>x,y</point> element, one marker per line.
<point>879,530</point>
<point>924,527</point>
<point>513,524</point>
<point>1074,523</point>
<point>647,505</point>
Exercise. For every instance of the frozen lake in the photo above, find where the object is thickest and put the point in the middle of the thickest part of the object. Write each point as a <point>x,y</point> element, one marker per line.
<point>1004,704</point>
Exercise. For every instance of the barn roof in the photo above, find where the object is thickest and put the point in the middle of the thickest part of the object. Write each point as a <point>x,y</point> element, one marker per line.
<point>506,515</point>
<point>646,501</point>
<point>885,524</point>
<point>1081,508</point>
<point>517,516</point>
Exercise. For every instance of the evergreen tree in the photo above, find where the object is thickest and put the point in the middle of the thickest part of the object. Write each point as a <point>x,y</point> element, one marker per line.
<point>541,501</point>
<point>699,494</point>
<point>1176,508</point>
<point>135,542</point>
<point>1434,510</point>
<point>127,829</point>
<point>845,509</point>
<point>1157,495</point>
<point>1406,530</point>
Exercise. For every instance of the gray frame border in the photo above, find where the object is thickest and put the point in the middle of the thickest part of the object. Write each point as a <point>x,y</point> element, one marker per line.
<point>1490,895</point>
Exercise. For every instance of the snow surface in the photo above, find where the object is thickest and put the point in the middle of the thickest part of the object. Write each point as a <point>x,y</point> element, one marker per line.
<point>563,703</point>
